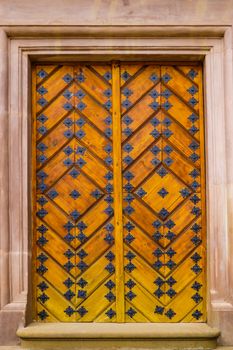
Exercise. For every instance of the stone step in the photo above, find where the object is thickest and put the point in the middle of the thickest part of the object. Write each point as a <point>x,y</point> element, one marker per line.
<point>114,336</point>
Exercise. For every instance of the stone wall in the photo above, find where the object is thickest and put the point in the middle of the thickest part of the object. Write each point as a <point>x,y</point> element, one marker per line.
<point>195,19</point>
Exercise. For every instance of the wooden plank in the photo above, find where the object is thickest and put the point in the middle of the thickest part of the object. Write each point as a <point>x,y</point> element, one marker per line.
<point>117,184</point>
<point>137,87</point>
<point>181,85</point>
<point>140,113</point>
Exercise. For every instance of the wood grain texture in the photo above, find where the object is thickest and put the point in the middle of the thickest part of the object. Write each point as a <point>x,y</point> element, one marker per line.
<point>117,183</point>
<point>119,227</point>
<point>164,193</point>
<point>74,249</point>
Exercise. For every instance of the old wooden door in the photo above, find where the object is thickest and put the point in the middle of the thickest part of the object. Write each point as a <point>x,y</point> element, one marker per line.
<point>118,193</point>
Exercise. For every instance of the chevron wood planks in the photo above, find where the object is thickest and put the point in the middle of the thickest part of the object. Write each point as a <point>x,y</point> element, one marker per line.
<point>118,193</point>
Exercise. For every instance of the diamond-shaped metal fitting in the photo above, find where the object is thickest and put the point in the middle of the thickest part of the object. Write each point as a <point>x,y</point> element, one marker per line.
<point>129,238</point>
<point>68,150</point>
<point>141,192</point>
<point>82,294</point>
<point>107,76</point>
<point>82,265</point>
<point>192,74</point>
<point>80,94</point>
<point>82,311</point>
<point>42,118</point>
<point>110,296</point>
<point>128,147</point>
<point>67,78</point>
<point>154,94</point>
<point>75,214</point>
<point>108,132</point>
<point>166,93</point>
<point>130,295</point>
<point>170,224</point>
<point>193,130</point>
<point>127,120</point>
<point>110,268</point>
<point>82,254</point>
<point>42,90</point>
<point>170,314</point>
<point>125,75</point>
<point>69,311</point>
<point>42,201</point>
<point>193,118</point>
<point>74,173</point>
<point>110,313</point>
<point>185,192</point>
<point>42,74</point>
<point>68,282</point>
<point>166,78</point>
<point>167,121</point>
<point>155,133</point>
<point>68,106</point>
<point>192,90</point>
<point>163,192</point>
<point>42,102</point>
<point>167,105</point>
<point>80,77</point>
<point>193,102</point>
<point>68,134</point>
<point>80,122</point>
<point>155,122</point>
<point>155,150</point>
<point>127,160</point>
<point>110,284</point>
<point>108,120</point>
<point>130,284</point>
<point>162,171</point>
<point>164,213</point>
<point>74,194</point>
<point>167,133</point>
<point>168,161</point>
<point>108,104</point>
<point>52,194</point>
<point>67,94</point>
<point>159,310</point>
<point>82,283</point>
<point>41,147</point>
<point>81,106</point>
<point>127,132</point>
<point>68,122</point>
<point>157,236</point>
<point>127,92</point>
<point>108,93</point>
<point>131,312</point>
<point>126,103</point>
<point>154,105</point>
<point>154,77</point>
<point>80,162</point>
<point>197,314</point>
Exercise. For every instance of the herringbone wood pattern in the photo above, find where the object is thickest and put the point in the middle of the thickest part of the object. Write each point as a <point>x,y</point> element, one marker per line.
<point>75,237</point>
<point>163,193</point>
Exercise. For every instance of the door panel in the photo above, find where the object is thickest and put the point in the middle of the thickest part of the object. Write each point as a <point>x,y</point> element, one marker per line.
<point>163,193</point>
<point>123,138</point>
<point>74,228</point>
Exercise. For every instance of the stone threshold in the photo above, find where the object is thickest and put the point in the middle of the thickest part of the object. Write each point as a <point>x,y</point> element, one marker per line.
<point>118,336</point>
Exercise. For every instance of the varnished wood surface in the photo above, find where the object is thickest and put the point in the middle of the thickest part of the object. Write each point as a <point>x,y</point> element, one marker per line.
<point>153,250</point>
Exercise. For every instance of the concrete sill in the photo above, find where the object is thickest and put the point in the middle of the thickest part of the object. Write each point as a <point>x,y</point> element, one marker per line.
<point>116,335</point>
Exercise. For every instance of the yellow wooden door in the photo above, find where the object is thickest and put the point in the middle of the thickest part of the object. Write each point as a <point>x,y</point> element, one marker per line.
<point>118,193</point>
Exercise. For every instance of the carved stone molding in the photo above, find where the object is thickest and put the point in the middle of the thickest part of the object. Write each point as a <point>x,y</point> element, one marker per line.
<point>211,44</point>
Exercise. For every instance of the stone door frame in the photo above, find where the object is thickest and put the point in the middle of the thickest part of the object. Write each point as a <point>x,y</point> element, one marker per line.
<point>19,47</point>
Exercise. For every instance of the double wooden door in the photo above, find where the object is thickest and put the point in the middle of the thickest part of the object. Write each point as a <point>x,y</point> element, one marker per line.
<point>118,192</point>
